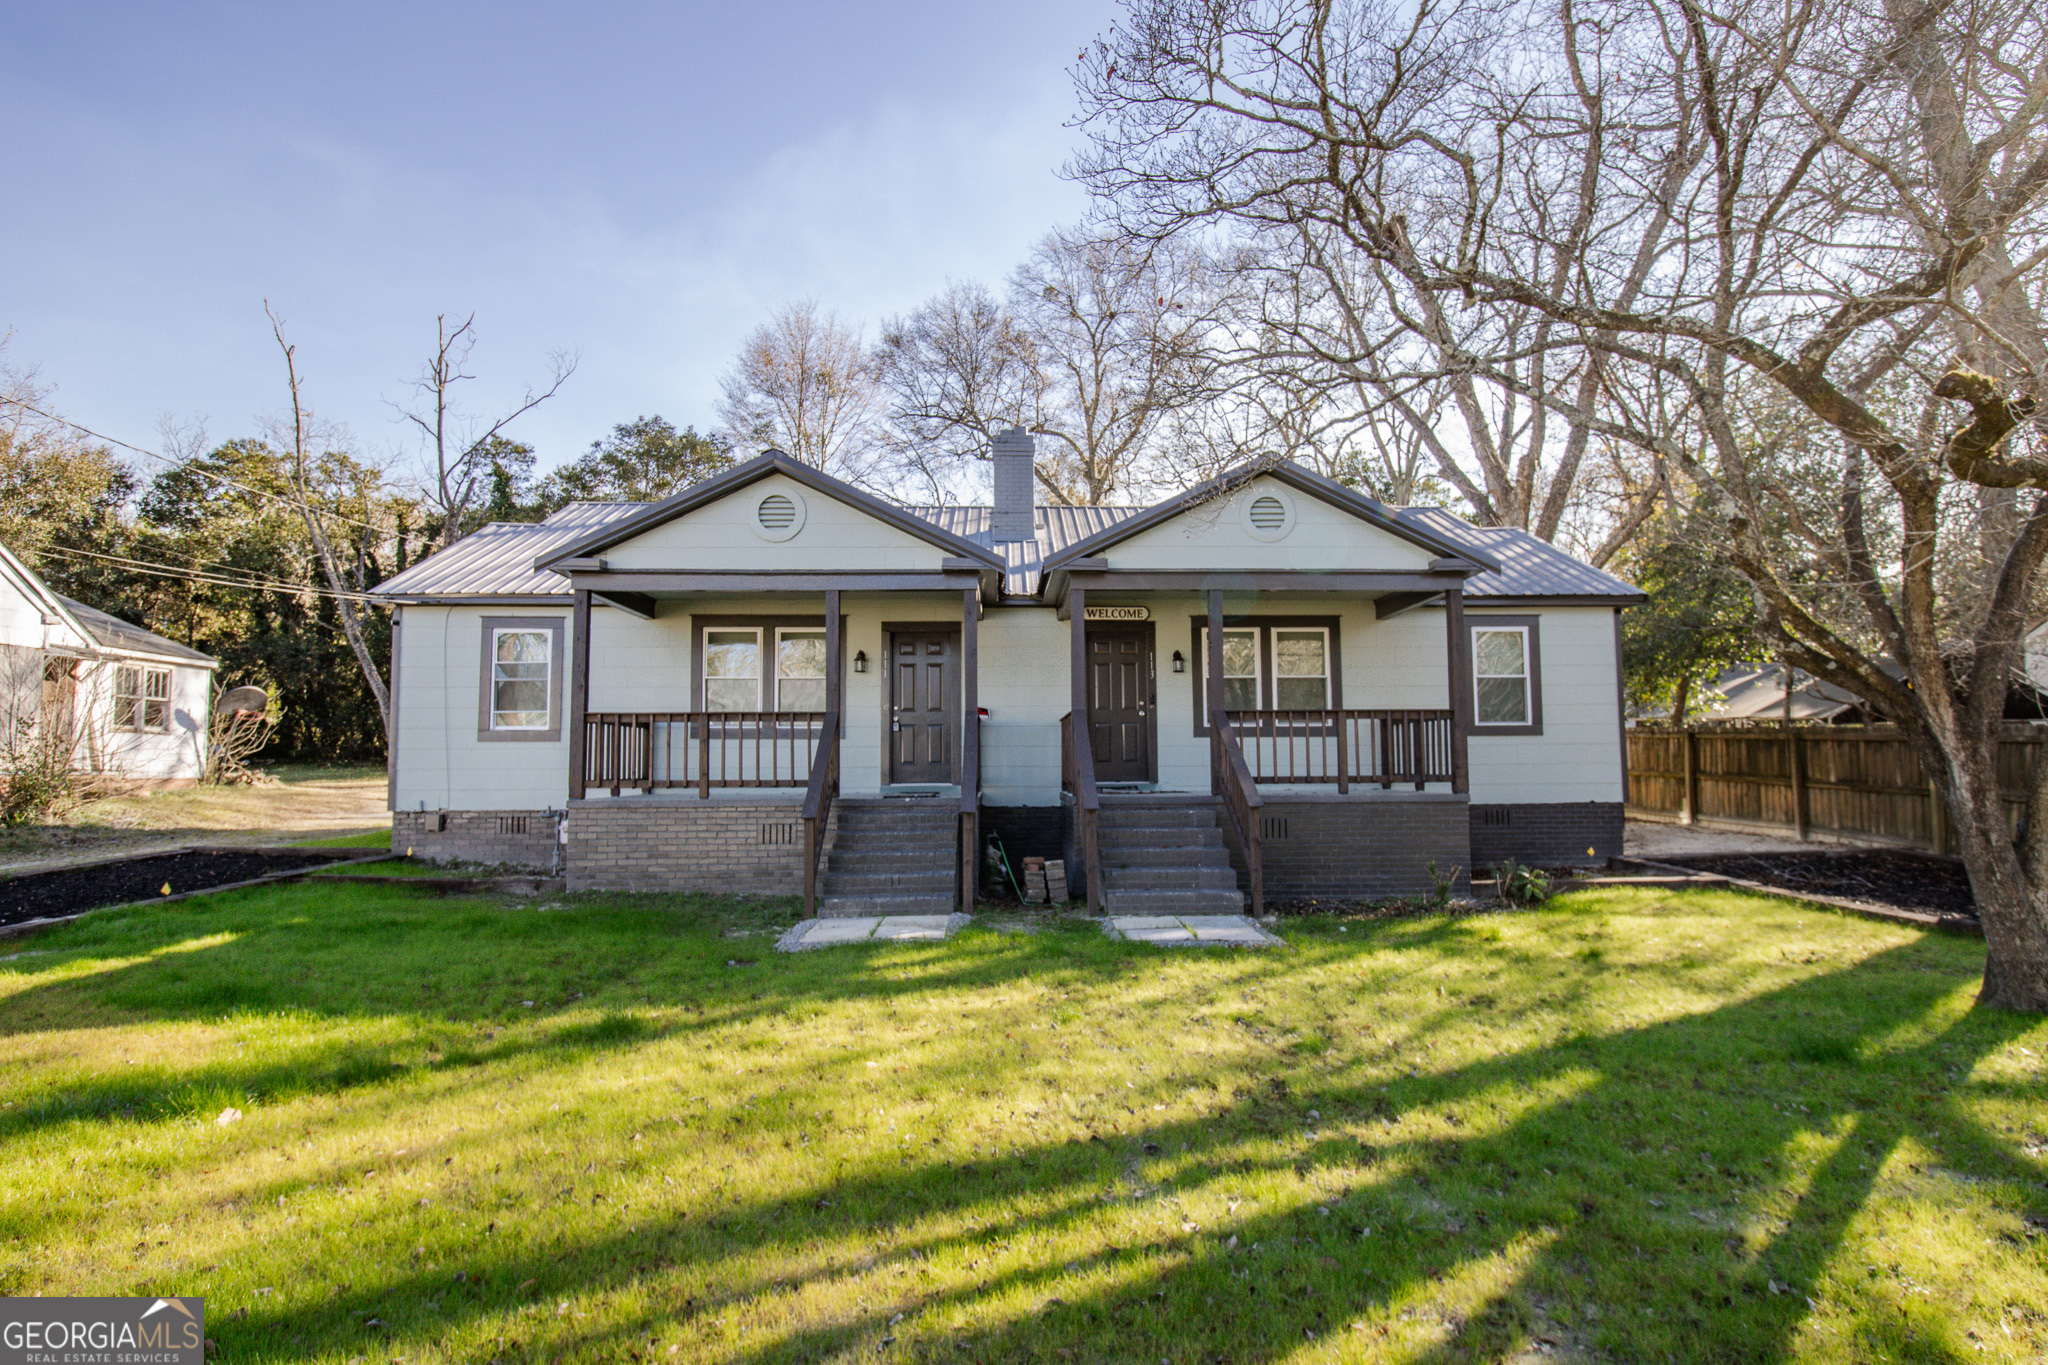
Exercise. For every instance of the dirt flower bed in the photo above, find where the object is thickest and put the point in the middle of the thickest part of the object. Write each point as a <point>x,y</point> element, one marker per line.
<point>1905,881</point>
<point>43,895</point>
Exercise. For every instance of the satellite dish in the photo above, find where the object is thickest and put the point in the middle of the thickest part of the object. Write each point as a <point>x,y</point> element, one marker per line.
<point>251,699</point>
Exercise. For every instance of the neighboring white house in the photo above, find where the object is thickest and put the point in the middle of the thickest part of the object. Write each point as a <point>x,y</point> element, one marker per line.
<point>773,682</point>
<point>124,702</point>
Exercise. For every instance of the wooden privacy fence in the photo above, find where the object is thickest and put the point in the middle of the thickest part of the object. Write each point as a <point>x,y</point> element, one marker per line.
<point>1862,780</point>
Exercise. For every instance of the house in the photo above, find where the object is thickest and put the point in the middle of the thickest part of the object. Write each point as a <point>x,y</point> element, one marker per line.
<point>772,682</point>
<point>1757,692</point>
<point>108,698</point>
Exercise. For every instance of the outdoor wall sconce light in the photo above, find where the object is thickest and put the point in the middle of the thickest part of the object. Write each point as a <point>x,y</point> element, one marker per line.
<point>1180,665</point>
<point>860,661</point>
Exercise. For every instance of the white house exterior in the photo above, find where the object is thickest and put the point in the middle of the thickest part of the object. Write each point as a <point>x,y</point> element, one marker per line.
<point>758,683</point>
<point>127,703</point>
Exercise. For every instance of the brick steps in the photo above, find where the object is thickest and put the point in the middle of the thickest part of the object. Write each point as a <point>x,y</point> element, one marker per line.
<point>890,857</point>
<point>1161,858</point>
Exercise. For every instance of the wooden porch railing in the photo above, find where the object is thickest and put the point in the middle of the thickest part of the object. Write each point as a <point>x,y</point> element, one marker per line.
<point>1077,775</point>
<point>819,795</point>
<point>701,749</point>
<point>1231,778</point>
<point>1369,747</point>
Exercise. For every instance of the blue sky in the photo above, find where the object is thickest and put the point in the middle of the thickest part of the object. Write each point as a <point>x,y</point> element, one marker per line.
<point>640,183</point>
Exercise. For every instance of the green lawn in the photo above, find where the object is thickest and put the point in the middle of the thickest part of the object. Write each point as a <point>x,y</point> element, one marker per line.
<point>1636,1125</point>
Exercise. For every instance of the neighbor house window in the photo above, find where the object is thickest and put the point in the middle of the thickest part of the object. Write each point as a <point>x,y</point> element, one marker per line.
<point>522,662</point>
<point>521,697</point>
<point>1507,690</point>
<point>799,670</point>
<point>1301,669</point>
<point>732,670</point>
<point>142,698</point>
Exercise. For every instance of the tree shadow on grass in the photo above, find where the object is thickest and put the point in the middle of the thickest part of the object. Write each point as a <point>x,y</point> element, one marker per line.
<point>1656,1167</point>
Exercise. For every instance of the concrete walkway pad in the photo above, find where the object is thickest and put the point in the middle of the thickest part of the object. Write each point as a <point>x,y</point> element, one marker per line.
<point>1191,931</point>
<point>824,933</point>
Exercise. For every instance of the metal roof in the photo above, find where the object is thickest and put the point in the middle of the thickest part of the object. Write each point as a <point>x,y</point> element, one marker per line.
<point>114,633</point>
<point>497,561</point>
<point>1529,567</point>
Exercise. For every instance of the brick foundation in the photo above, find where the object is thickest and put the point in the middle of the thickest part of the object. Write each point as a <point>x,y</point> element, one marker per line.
<point>731,847</point>
<point>517,838</point>
<point>1552,834</point>
<point>1375,848</point>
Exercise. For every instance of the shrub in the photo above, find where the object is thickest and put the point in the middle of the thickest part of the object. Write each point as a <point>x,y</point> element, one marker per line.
<point>1519,885</point>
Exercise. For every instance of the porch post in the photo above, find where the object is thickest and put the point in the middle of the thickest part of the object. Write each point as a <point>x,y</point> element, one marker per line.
<point>1459,644</point>
<point>1213,688</point>
<point>579,690</point>
<point>835,683</point>
<point>970,746</point>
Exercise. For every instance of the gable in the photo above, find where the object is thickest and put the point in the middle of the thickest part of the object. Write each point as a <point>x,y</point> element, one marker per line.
<point>810,529</point>
<point>1242,531</point>
<point>25,603</point>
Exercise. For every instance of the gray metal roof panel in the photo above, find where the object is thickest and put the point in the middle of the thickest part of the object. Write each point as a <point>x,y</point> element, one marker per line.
<point>497,560</point>
<point>1529,567</point>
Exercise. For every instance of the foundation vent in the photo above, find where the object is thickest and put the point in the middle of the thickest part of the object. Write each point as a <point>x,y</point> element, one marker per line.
<point>1494,817</point>
<point>511,824</point>
<point>1272,827</point>
<point>780,832</point>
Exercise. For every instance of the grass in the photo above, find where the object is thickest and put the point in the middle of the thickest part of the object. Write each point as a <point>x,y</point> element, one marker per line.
<point>372,838</point>
<point>307,799</point>
<point>1637,1124</point>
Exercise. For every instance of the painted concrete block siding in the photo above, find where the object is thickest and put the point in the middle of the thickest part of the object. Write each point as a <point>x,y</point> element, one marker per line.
<point>516,838</point>
<point>1026,832</point>
<point>1379,848</point>
<point>732,848</point>
<point>1321,538</point>
<point>441,764</point>
<point>833,536</point>
<point>1578,756</point>
<point>1554,834</point>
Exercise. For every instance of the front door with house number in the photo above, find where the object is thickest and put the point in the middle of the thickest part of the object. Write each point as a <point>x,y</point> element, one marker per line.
<point>1121,709</point>
<point>924,696</point>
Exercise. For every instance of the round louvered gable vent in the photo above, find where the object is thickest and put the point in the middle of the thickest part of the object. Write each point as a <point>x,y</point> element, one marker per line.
<point>1269,516</point>
<point>778,516</point>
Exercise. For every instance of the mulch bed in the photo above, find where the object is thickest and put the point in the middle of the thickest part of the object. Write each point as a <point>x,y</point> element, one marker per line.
<point>44,895</point>
<point>1905,881</point>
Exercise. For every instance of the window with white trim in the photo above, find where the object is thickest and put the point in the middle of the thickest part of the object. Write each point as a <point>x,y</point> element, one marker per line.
<point>799,670</point>
<point>522,662</point>
<point>1301,668</point>
<point>142,698</point>
<point>732,668</point>
<point>1500,675</point>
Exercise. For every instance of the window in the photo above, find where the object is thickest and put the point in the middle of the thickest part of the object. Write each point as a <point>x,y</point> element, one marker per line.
<point>1507,692</point>
<point>521,661</point>
<point>799,670</point>
<point>732,669</point>
<point>521,688</point>
<point>1278,663</point>
<point>142,698</point>
<point>1301,669</point>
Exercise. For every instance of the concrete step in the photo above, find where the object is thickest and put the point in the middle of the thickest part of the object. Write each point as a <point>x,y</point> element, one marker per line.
<point>921,821</point>
<point>865,858</point>
<point>1169,878</point>
<point>1166,855</point>
<point>863,883</point>
<point>1157,817</point>
<point>832,907</point>
<point>1206,901</point>
<point>1165,839</point>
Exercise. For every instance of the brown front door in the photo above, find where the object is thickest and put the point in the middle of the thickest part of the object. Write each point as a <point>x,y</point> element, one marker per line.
<point>924,695</point>
<point>1120,703</point>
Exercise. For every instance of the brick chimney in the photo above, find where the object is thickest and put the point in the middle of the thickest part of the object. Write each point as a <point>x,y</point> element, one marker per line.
<point>1015,485</point>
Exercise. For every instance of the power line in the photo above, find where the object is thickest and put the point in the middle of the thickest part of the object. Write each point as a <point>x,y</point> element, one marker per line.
<point>153,455</point>
<point>156,570</point>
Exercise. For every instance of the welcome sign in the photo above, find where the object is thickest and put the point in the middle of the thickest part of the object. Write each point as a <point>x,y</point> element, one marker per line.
<point>1117,613</point>
<point>107,1331</point>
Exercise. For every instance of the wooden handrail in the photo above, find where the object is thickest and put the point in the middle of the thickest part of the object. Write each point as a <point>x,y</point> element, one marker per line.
<point>970,805</point>
<point>1077,775</point>
<point>819,795</point>
<point>1240,793</point>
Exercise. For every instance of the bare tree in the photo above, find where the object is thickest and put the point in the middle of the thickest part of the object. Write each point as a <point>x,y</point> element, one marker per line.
<point>806,384</point>
<point>956,370</point>
<point>460,445</point>
<point>1792,234</point>
<point>310,498</point>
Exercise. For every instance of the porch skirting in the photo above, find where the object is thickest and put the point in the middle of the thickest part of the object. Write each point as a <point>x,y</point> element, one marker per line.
<point>734,847</point>
<point>1372,847</point>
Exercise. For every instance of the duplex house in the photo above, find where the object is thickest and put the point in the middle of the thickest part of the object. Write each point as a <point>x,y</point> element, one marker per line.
<point>106,697</point>
<point>1271,687</point>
